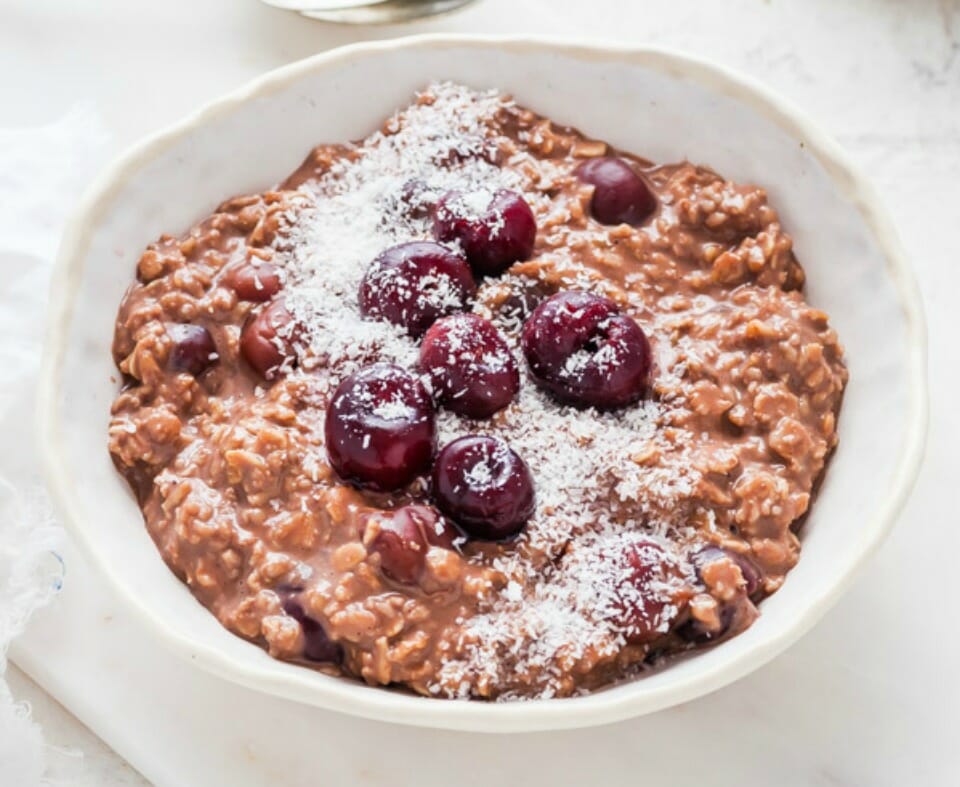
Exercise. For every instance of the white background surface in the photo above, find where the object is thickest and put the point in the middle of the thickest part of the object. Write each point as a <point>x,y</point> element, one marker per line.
<point>870,697</point>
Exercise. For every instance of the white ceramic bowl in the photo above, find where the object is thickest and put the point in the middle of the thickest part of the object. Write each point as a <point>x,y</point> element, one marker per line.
<point>661,105</point>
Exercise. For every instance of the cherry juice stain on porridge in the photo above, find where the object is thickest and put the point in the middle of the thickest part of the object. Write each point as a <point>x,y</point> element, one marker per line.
<point>478,406</point>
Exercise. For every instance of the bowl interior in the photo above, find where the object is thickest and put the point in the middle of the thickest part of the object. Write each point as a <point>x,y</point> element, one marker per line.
<point>654,104</point>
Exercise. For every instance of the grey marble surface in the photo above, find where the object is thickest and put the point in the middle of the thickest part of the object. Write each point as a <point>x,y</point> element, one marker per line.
<point>870,696</point>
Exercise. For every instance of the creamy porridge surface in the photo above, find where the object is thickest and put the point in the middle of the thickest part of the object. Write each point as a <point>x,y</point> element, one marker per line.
<point>655,526</point>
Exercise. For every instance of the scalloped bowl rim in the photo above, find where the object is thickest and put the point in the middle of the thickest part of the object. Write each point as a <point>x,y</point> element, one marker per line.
<point>617,703</point>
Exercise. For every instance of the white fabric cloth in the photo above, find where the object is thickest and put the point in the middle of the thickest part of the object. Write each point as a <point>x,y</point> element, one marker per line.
<point>42,171</point>
<point>869,697</point>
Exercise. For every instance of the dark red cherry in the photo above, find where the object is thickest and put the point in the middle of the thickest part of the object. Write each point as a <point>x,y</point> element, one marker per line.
<point>417,199</point>
<point>696,632</point>
<point>620,195</point>
<point>380,428</point>
<point>751,574</point>
<point>402,537</point>
<point>413,284</point>
<point>256,283</point>
<point>267,340</point>
<point>400,543</point>
<point>494,230</point>
<point>317,646</point>
<point>483,486</point>
<point>438,530</point>
<point>519,305</point>
<point>732,614</point>
<point>586,352</point>
<point>193,349</point>
<point>471,368</point>
<point>644,607</point>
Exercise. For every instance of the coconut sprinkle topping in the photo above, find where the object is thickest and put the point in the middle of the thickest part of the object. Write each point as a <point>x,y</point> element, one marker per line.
<point>559,594</point>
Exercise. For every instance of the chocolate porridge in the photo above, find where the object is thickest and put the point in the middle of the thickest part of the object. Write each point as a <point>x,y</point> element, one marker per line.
<point>478,406</point>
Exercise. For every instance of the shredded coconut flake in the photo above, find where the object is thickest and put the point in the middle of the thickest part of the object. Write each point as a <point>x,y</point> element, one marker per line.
<point>588,467</point>
<point>357,210</point>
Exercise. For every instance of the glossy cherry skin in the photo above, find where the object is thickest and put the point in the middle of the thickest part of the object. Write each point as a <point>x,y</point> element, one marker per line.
<point>583,350</point>
<point>402,548</point>
<point>402,538</point>
<point>642,610</point>
<point>694,631</point>
<point>620,195</point>
<point>417,198</point>
<point>255,283</point>
<point>494,230</point>
<point>438,530</point>
<point>193,349</point>
<point>483,486</point>
<point>413,284</point>
<point>268,340</point>
<point>520,304</point>
<point>470,366</point>
<point>751,574</point>
<point>317,646</point>
<point>380,428</point>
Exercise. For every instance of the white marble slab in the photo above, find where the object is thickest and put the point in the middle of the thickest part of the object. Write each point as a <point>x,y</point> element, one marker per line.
<point>74,755</point>
<point>870,697</point>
